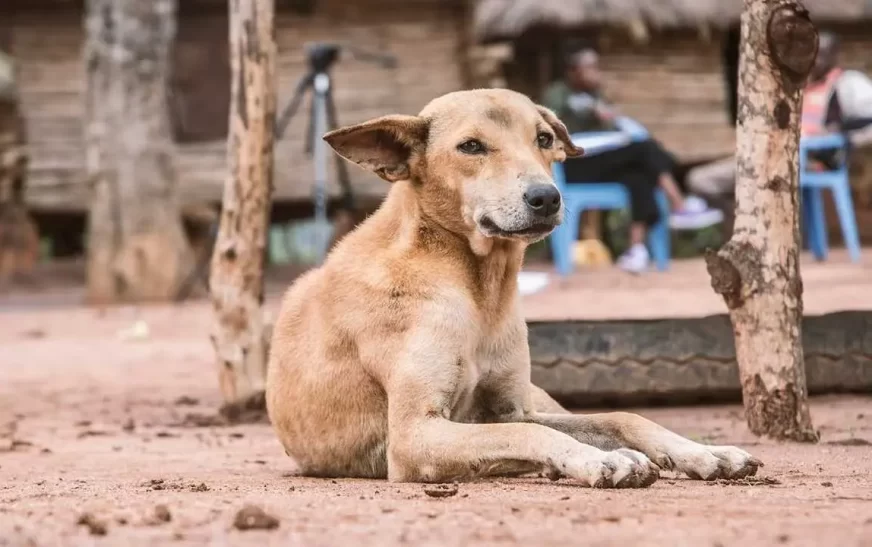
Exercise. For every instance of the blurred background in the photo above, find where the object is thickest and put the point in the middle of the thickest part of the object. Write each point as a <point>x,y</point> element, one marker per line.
<point>670,65</point>
<point>110,409</point>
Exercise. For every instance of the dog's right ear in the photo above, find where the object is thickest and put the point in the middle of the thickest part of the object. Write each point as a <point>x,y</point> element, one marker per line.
<point>384,145</point>
<point>566,145</point>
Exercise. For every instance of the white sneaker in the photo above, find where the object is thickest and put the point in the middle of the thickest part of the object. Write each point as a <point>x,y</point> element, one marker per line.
<point>635,260</point>
<point>695,215</point>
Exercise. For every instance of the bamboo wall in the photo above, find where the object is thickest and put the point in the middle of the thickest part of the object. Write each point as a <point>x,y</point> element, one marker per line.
<point>426,36</point>
<point>673,82</point>
<point>675,86</point>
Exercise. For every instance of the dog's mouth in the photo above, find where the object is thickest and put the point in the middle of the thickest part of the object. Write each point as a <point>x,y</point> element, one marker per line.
<point>538,229</point>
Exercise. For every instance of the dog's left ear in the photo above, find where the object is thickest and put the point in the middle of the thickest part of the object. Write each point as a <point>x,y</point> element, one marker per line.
<point>384,145</point>
<point>567,147</point>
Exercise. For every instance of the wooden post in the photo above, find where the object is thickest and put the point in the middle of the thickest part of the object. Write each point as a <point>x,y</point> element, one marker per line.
<point>19,235</point>
<point>236,281</point>
<point>136,243</point>
<point>757,271</point>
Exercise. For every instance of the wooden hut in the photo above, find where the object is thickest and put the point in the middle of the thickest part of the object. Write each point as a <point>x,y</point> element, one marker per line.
<point>663,58</point>
<point>427,37</point>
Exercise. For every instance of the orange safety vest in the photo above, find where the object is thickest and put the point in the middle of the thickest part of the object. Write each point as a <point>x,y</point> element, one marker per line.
<point>816,101</point>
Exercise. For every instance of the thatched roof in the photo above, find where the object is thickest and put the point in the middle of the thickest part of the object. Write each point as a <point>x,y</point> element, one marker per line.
<point>508,18</point>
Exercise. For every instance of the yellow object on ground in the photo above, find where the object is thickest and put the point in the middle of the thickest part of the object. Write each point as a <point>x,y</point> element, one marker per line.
<point>591,252</point>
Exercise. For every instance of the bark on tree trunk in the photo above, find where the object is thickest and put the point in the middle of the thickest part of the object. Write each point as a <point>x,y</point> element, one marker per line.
<point>236,281</point>
<point>19,236</point>
<point>757,271</point>
<point>136,243</point>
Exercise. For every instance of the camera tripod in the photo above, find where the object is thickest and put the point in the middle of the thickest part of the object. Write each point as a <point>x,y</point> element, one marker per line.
<point>322,118</point>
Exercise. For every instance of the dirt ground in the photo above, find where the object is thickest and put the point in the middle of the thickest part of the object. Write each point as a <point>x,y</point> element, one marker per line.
<point>98,419</point>
<point>606,294</point>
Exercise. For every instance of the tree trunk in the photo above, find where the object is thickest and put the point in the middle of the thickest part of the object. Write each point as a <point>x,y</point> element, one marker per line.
<point>236,280</point>
<point>137,249</point>
<point>757,271</point>
<point>19,237</point>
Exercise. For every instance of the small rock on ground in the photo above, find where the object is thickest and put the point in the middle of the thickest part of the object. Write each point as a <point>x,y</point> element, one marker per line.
<point>252,517</point>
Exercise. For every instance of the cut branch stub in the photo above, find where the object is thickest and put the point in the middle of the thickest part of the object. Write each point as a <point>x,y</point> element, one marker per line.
<point>777,417</point>
<point>726,280</point>
<point>793,42</point>
<point>735,271</point>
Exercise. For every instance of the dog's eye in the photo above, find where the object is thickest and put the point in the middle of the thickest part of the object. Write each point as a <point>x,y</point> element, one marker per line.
<point>545,140</point>
<point>471,146</point>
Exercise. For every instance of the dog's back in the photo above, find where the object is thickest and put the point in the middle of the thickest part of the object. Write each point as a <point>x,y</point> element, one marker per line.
<point>334,319</point>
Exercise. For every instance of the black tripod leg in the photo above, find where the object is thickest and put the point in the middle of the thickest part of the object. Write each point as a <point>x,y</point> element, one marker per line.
<point>348,201</point>
<point>310,127</point>
<point>284,118</point>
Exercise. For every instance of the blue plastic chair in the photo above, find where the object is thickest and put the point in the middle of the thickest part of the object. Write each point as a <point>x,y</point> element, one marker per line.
<point>837,181</point>
<point>605,195</point>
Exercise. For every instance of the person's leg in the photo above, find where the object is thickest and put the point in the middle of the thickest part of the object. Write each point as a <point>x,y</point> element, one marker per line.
<point>855,130</point>
<point>858,131</point>
<point>602,166</point>
<point>660,165</point>
<point>713,179</point>
<point>644,214</point>
<point>716,183</point>
<point>688,212</point>
<point>853,124</point>
<point>673,193</point>
<point>624,165</point>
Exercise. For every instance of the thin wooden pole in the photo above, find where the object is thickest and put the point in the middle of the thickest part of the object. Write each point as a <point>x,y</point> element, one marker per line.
<point>236,282</point>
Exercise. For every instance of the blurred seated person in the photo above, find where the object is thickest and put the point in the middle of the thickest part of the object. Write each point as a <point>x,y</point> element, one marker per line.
<point>834,100</point>
<point>641,166</point>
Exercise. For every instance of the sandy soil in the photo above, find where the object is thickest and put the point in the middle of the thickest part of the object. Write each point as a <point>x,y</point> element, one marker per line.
<point>94,420</point>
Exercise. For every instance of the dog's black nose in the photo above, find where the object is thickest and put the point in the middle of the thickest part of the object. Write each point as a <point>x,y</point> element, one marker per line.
<point>543,199</point>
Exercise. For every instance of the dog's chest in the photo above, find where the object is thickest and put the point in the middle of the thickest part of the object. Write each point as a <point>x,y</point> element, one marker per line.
<point>464,398</point>
<point>481,367</point>
<point>486,352</point>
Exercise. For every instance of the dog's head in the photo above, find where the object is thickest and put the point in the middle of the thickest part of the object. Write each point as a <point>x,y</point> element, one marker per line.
<point>480,161</point>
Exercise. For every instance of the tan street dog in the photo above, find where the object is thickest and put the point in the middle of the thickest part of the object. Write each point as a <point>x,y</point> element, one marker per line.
<point>405,355</point>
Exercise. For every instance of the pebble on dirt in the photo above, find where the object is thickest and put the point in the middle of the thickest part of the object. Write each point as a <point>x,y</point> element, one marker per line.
<point>186,400</point>
<point>159,515</point>
<point>441,490</point>
<point>96,527</point>
<point>252,517</point>
<point>162,513</point>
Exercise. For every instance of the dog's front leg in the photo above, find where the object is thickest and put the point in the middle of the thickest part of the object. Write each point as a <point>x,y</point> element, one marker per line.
<point>623,430</point>
<point>431,448</point>
<point>426,445</point>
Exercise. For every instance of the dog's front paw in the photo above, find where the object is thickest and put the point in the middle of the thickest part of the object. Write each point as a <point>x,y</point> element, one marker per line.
<point>699,461</point>
<point>618,469</point>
